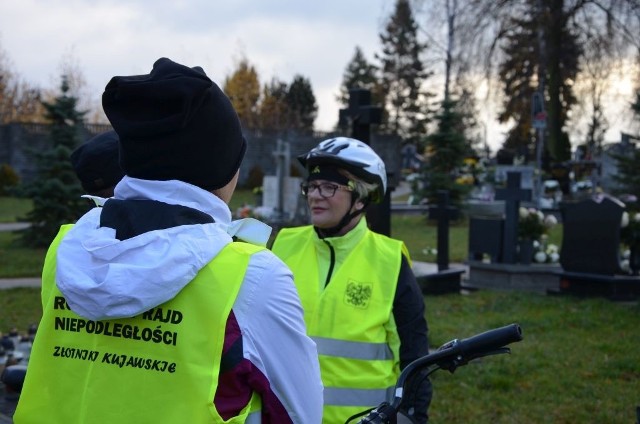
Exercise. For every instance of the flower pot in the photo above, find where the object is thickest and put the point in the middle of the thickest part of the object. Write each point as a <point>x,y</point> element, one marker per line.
<point>525,251</point>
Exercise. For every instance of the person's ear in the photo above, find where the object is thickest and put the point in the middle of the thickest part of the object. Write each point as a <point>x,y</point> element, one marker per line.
<point>358,205</point>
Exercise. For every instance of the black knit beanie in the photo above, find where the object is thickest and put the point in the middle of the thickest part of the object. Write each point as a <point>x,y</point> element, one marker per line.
<point>96,162</point>
<point>175,123</point>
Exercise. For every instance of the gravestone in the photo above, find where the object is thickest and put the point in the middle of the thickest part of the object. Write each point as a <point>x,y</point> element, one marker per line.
<point>281,192</point>
<point>591,235</point>
<point>284,207</point>
<point>485,238</point>
<point>496,235</point>
<point>362,114</point>
<point>486,222</point>
<point>513,194</point>
<point>446,280</point>
<point>589,254</point>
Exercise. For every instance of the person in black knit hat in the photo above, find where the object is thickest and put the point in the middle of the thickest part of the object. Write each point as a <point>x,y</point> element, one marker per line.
<point>156,313</point>
<point>96,163</point>
<point>175,124</point>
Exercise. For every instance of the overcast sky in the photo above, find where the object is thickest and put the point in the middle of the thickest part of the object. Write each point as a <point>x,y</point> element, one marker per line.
<point>281,38</point>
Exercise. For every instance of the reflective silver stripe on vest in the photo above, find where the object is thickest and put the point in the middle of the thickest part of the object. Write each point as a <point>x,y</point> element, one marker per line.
<point>353,350</point>
<point>356,397</point>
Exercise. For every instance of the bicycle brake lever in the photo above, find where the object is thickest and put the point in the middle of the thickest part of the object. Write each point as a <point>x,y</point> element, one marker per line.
<point>382,414</point>
<point>465,360</point>
<point>452,364</point>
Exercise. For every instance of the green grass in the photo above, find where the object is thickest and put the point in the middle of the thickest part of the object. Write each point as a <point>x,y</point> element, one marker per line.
<point>416,231</point>
<point>420,235</point>
<point>19,308</point>
<point>578,362</point>
<point>17,261</point>
<point>242,197</point>
<point>12,208</point>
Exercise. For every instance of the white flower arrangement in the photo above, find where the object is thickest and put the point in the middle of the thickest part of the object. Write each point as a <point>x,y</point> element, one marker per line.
<point>546,252</point>
<point>430,251</point>
<point>533,224</point>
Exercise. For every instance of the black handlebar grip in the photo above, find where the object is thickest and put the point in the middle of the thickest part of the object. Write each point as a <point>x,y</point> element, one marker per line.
<point>491,340</point>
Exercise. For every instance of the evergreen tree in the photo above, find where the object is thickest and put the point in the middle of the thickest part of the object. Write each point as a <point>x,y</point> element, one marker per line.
<point>301,104</point>
<point>628,164</point>
<point>526,68</point>
<point>517,75</point>
<point>243,89</point>
<point>56,191</point>
<point>628,177</point>
<point>362,74</point>
<point>403,75</point>
<point>563,53</point>
<point>563,31</point>
<point>359,74</point>
<point>446,150</point>
<point>466,107</point>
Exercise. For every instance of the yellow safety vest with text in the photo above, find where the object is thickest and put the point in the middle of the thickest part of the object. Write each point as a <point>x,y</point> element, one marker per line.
<point>351,319</point>
<point>159,367</point>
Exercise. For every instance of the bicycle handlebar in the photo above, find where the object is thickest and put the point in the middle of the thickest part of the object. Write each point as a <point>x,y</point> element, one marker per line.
<point>449,356</point>
<point>488,341</point>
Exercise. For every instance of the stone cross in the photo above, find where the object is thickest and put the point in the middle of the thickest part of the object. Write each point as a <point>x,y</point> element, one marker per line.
<point>512,195</point>
<point>361,114</point>
<point>283,165</point>
<point>443,213</point>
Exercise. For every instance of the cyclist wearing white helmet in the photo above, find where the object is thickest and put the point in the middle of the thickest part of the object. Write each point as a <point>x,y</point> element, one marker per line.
<point>363,306</point>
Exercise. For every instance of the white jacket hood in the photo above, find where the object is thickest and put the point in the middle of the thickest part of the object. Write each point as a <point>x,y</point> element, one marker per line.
<point>102,277</point>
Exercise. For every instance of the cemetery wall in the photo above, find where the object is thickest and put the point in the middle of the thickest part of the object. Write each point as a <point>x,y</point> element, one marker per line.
<point>18,141</point>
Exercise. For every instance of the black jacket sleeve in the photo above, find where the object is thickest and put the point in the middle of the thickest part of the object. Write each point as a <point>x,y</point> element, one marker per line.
<point>409,315</point>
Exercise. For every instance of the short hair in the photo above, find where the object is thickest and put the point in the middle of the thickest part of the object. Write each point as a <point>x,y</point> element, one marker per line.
<point>362,189</point>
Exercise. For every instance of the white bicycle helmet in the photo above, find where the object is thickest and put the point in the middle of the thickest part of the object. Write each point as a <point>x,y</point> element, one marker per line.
<point>352,155</point>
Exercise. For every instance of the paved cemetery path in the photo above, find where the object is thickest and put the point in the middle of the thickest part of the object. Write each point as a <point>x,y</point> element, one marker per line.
<point>13,226</point>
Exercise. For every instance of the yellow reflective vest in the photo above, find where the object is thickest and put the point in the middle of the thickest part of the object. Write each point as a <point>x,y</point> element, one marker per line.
<point>159,367</point>
<point>350,319</point>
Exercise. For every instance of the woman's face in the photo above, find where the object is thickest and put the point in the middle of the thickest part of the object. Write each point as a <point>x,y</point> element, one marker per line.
<point>328,210</point>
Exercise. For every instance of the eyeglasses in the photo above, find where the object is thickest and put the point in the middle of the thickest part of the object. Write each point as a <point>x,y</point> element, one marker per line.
<point>326,190</point>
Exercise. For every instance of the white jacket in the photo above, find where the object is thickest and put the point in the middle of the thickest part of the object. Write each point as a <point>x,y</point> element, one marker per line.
<point>102,277</point>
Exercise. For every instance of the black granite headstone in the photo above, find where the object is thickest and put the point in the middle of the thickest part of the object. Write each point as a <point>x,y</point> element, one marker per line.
<point>591,235</point>
<point>485,238</point>
<point>590,255</point>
